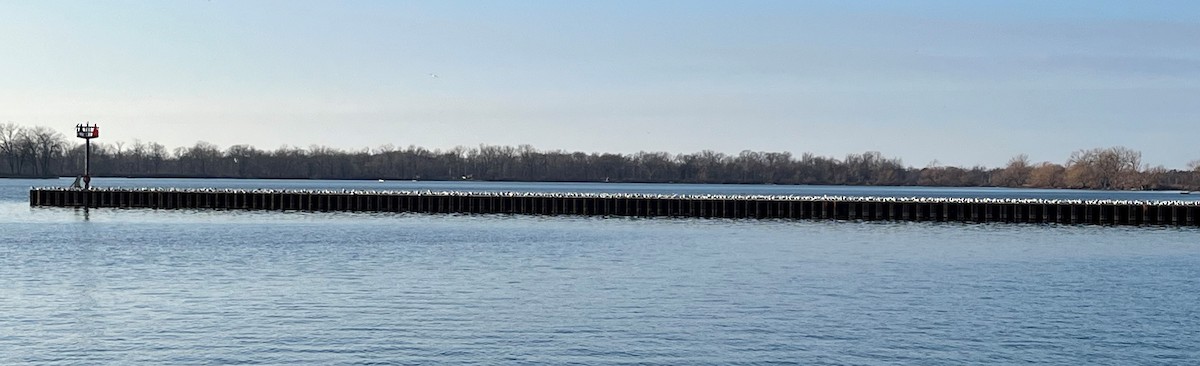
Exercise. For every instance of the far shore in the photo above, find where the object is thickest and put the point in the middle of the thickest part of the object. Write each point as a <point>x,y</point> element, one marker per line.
<point>1168,189</point>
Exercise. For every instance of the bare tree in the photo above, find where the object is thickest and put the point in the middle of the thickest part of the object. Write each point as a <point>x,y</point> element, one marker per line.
<point>47,146</point>
<point>1153,177</point>
<point>1047,175</point>
<point>1105,168</point>
<point>1016,174</point>
<point>10,136</point>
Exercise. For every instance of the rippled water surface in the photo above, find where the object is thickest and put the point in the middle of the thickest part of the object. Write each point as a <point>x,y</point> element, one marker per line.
<point>112,286</point>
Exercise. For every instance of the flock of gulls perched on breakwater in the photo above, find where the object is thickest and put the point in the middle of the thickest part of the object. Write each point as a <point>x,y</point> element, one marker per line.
<point>734,197</point>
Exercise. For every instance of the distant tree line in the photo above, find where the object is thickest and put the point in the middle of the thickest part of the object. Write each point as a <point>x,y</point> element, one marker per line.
<point>40,151</point>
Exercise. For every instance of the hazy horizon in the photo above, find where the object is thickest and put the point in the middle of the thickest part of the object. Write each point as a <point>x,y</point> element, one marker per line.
<point>963,83</point>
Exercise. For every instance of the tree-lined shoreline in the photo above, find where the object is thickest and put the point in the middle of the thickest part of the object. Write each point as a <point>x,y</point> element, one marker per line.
<point>44,152</point>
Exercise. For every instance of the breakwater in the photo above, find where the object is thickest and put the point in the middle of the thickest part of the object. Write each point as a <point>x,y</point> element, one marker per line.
<point>1105,212</point>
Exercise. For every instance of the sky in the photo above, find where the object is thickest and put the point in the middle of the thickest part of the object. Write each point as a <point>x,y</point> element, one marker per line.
<point>959,83</point>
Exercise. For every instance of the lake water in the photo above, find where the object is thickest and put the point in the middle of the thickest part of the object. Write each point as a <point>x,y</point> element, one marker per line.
<point>128,286</point>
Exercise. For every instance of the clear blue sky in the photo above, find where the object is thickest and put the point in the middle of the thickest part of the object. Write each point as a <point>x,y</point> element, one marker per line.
<point>962,82</point>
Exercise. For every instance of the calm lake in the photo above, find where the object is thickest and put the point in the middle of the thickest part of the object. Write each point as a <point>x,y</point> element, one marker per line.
<point>131,286</point>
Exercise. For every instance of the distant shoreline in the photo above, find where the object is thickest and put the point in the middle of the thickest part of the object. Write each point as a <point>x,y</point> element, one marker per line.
<point>1114,168</point>
<point>1181,191</point>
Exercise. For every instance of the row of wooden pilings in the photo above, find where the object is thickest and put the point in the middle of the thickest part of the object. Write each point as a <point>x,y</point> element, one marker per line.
<point>687,206</point>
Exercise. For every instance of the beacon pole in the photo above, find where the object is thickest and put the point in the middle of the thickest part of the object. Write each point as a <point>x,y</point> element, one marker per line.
<point>87,163</point>
<point>87,132</point>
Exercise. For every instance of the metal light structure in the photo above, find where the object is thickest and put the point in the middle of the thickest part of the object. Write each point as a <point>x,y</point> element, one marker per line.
<point>87,132</point>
